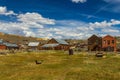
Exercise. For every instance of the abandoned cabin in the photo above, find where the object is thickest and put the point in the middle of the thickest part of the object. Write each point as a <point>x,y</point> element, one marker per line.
<point>56,44</point>
<point>34,45</point>
<point>94,43</point>
<point>6,45</point>
<point>107,43</point>
<point>2,46</point>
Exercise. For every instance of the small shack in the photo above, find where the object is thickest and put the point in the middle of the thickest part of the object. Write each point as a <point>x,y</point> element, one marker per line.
<point>34,45</point>
<point>2,46</point>
<point>56,44</point>
<point>10,46</point>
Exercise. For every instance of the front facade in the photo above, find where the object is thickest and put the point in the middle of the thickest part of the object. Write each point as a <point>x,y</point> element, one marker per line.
<point>94,43</point>
<point>10,46</point>
<point>2,47</point>
<point>34,45</point>
<point>56,44</point>
<point>7,45</point>
<point>108,43</point>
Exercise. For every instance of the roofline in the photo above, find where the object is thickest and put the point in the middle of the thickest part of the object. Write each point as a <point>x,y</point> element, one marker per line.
<point>60,39</point>
<point>93,35</point>
<point>109,35</point>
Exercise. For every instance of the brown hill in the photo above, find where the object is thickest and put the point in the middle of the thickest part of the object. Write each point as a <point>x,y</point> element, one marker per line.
<point>19,39</point>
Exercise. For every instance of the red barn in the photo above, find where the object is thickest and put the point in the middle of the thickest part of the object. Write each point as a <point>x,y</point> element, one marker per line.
<point>108,43</point>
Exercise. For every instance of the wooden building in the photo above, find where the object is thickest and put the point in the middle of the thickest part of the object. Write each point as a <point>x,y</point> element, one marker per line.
<point>94,43</point>
<point>2,46</point>
<point>7,45</point>
<point>10,46</point>
<point>34,45</point>
<point>56,44</point>
<point>108,43</point>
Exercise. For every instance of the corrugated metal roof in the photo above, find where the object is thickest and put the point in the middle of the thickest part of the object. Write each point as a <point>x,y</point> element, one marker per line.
<point>33,43</point>
<point>1,41</point>
<point>10,44</point>
<point>50,45</point>
<point>60,41</point>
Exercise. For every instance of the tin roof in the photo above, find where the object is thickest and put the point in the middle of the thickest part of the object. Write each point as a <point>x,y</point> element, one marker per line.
<point>50,45</point>
<point>60,41</point>
<point>33,43</point>
<point>10,44</point>
<point>1,41</point>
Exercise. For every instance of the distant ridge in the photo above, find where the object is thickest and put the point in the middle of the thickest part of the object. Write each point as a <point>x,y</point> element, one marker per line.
<point>18,38</point>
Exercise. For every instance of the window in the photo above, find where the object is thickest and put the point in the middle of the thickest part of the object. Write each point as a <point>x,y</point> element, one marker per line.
<point>108,42</point>
<point>97,41</point>
<point>104,42</point>
<point>112,41</point>
<point>89,42</point>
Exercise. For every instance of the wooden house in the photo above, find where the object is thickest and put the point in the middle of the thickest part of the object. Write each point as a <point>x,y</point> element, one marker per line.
<point>94,43</point>
<point>34,45</point>
<point>108,43</point>
<point>56,44</point>
<point>2,46</point>
<point>10,46</point>
<point>7,45</point>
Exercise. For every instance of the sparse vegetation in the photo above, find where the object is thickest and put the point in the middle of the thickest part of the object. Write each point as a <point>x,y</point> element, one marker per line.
<point>19,39</point>
<point>58,65</point>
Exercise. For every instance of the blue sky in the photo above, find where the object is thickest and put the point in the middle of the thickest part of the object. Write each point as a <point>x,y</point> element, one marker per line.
<point>76,19</point>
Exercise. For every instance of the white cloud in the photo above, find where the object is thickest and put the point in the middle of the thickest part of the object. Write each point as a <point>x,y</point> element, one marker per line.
<point>4,11</point>
<point>34,24</point>
<point>34,18</point>
<point>26,24</point>
<point>79,1</point>
<point>110,31</point>
<point>104,24</point>
<point>73,30</point>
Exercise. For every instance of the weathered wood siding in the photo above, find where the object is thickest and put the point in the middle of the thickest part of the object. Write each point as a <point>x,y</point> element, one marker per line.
<point>94,43</point>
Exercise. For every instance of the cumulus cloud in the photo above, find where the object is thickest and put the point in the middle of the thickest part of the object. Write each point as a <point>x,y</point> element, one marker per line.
<point>34,24</point>
<point>104,24</point>
<point>26,24</point>
<point>34,18</point>
<point>4,11</point>
<point>110,30</point>
<point>79,1</point>
<point>60,29</point>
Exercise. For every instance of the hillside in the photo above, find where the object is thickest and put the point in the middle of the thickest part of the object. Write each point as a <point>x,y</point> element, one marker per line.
<point>18,39</point>
<point>21,39</point>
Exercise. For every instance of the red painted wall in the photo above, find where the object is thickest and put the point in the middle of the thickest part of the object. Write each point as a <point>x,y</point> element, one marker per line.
<point>109,41</point>
<point>2,47</point>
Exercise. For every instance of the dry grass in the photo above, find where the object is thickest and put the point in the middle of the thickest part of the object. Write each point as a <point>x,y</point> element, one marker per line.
<point>58,65</point>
